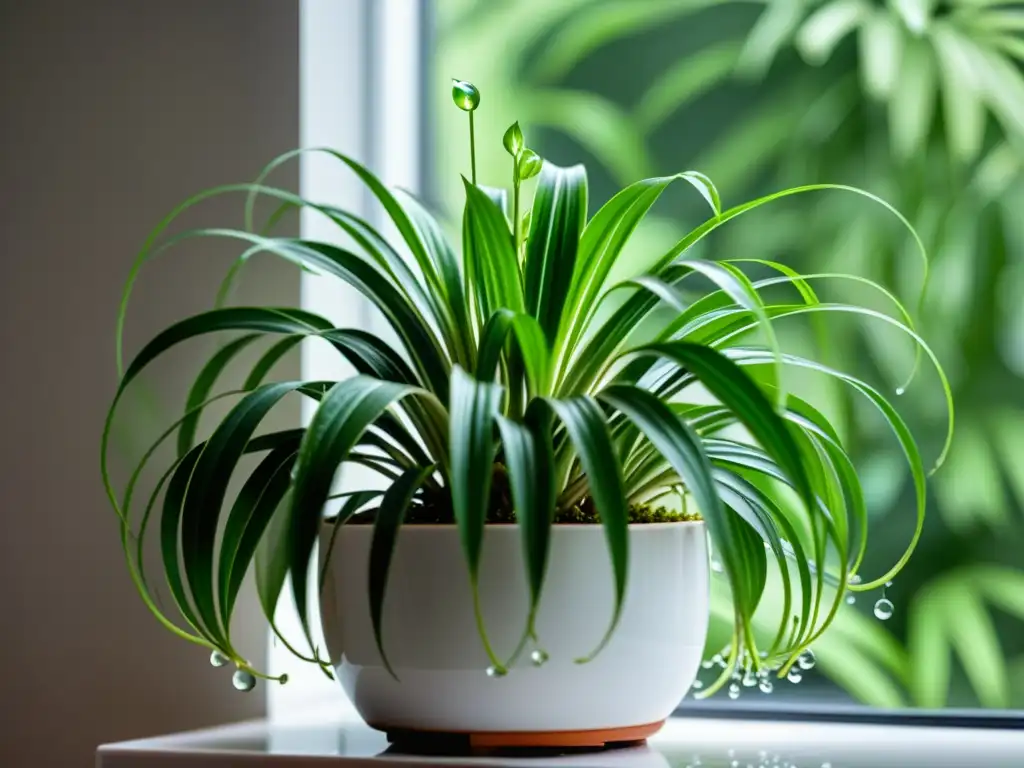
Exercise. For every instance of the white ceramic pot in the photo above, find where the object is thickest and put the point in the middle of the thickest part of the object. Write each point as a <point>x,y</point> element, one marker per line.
<point>431,639</point>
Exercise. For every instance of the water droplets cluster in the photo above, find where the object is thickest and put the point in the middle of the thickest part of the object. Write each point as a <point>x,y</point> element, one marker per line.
<point>243,679</point>
<point>747,675</point>
<point>761,760</point>
<point>538,658</point>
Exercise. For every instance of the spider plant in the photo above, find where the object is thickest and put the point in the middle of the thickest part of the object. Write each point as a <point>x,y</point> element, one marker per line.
<point>523,363</point>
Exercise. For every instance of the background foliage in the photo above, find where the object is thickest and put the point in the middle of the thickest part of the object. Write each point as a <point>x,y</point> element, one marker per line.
<point>919,102</point>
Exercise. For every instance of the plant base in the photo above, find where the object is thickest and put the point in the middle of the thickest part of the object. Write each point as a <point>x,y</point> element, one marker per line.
<point>600,737</point>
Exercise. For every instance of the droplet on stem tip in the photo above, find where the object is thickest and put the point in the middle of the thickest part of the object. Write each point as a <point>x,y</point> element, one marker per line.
<point>807,659</point>
<point>465,95</point>
<point>243,680</point>
<point>883,609</point>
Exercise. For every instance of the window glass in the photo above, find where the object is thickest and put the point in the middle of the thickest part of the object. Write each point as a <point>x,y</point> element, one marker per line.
<point>766,96</point>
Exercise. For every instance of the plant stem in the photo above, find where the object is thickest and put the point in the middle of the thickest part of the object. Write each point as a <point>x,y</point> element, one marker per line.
<point>515,210</point>
<point>472,148</point>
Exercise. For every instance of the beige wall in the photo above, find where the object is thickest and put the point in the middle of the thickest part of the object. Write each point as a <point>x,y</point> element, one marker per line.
<point>110,112</point>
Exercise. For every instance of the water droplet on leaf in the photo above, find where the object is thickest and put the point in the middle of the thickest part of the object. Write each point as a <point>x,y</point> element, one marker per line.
<point>794,675</point>
<point>854,579</point>
<point>697,685</point>
<point>539,658</point>
<point>883,609</point>
<point>807,659</point>
<point>850,599</point>
<point>749,679</point>
<point>734,691</point>
<point>218,659</point>
<point>496,671</point>
<point>716,566</point>
<point>243,680</point>
<point>900,390</point>
<point>766,686</point>
<point>707,664</point>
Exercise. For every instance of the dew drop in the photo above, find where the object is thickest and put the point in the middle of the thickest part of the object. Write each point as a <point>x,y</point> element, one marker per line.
<point>766,686</point>
<point>807,659</point>
<point>218,659</point>
<point>900,390</point>
<point>243,680</point>
<point>888,584</point>
<point>707,664</point>
<point>716,566</point>
<point>539,657</point>
<point>854,579</point>
<point>749,679</point>
<point>717,659</point>
<point>493,671</point>
<point>850,599</point>
<point>697,685</point>
<point>734,691</point>
<point>794,675</point>
<point>883,609</point>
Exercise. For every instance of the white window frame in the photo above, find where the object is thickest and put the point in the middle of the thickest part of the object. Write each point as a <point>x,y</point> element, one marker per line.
<point>362,72</point>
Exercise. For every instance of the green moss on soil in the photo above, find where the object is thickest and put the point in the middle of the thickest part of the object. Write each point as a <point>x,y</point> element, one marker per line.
<point>437,510</point>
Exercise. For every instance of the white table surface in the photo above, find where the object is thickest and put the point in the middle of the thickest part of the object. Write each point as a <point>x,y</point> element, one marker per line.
<point>313,741</point>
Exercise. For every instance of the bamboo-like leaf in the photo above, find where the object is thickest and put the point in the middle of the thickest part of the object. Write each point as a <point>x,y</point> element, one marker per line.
<point>974,638</point>
<point>602,243</point>
<point>207,487</point>
<point>473,408</point>
<point>393,507</point>
<point>247,521</point>
<point>894,421</point>
<point>345,412</point>
<point>529,456</point>
<point>963,107</point>
<point>912,105</point>
<point>558,215</point>
<point>203,385</point>
<point>492,266</point>
<point>169,545</point>
<point>727,382</point>
<point>269,359</point>
<point>774,27</point>
<point>682,448</point>
<point>881,50</point>
<point>532,346</point>
<point>823,29</point>
<point>587,429</point>
<point>929,652</point>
